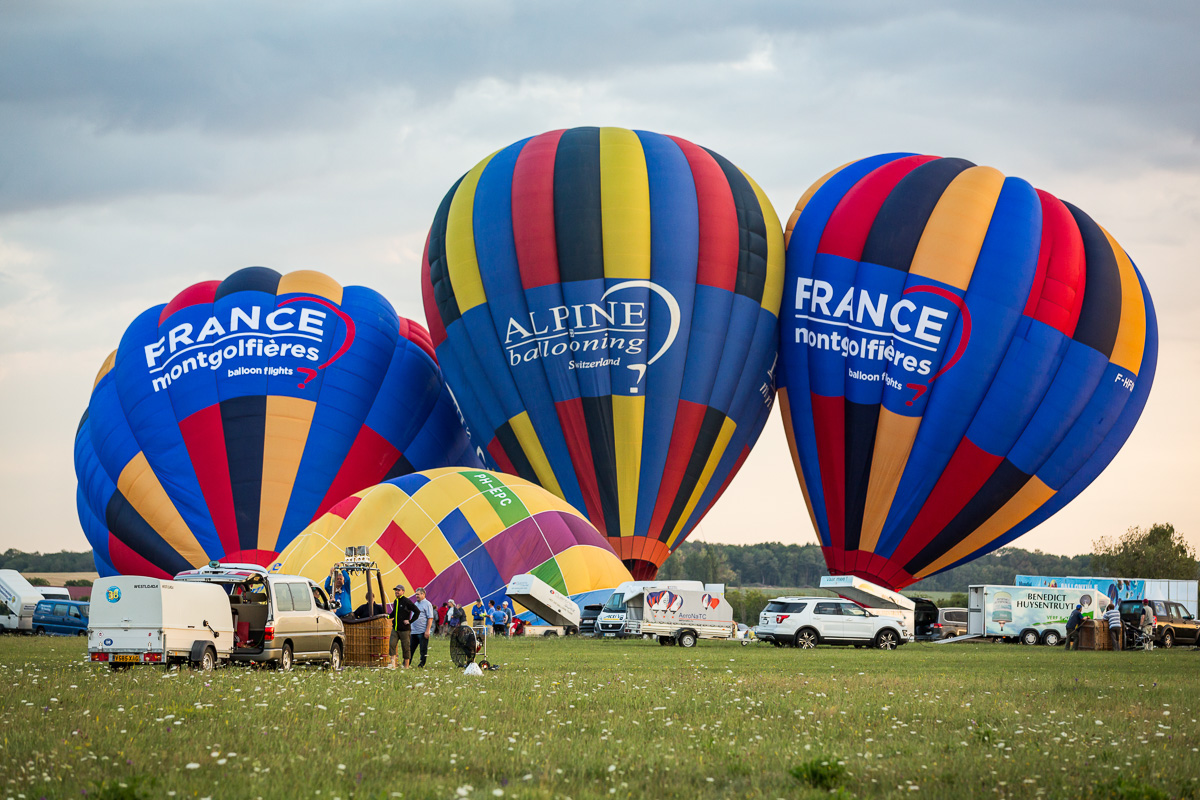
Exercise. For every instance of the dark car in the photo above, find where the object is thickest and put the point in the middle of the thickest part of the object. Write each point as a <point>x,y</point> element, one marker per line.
<point>954,622</point>
<point>927,626</point>
<point>1174,622</point>
<point>587,620</point>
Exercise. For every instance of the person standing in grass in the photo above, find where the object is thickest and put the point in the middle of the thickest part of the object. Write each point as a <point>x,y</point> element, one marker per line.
<point>1074,623</point>
<point>458,615</point>
<point>422,626</point>
<point>477,613</point>
<point>403,613</point>
<point>1147,625</point>
<point>1113,618</point>
<point>442,611</point>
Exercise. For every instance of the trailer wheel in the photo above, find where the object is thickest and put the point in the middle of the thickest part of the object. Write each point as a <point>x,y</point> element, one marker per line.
<point>1051,639</point>
<point>687,639</point>
<point>1029,637</point>
<point>208,660</point>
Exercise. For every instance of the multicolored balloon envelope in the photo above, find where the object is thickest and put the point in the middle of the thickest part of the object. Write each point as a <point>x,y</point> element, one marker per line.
<point>236,414</point>
<point>605,305</point>
<point>961,355</point>
<point>462,534</point>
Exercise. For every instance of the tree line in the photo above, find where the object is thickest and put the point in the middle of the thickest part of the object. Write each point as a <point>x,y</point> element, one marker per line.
<point>64,561</point>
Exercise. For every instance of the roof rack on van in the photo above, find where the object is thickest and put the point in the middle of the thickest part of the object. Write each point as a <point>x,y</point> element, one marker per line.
<point>217,568</point>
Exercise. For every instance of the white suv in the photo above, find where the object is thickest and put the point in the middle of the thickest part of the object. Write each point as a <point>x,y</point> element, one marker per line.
<point>809,621</point>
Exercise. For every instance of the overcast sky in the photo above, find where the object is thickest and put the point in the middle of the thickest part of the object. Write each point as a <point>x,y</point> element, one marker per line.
<point>145,146</point>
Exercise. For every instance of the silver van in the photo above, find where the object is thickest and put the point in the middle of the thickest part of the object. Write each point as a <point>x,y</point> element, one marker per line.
<point>277,619</point>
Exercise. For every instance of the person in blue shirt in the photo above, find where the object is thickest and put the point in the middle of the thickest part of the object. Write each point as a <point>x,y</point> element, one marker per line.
<point>496,617</point>
<point>477,614</point>
<point>337,586</point>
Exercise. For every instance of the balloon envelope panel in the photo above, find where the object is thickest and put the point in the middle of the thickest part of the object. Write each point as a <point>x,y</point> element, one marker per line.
<point>232,416</point>
<point>605,304</point>
<point>961,354</point>
<point>461,534</point>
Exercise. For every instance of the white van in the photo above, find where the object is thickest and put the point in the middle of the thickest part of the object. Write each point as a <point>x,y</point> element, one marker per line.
<point>278,619</point>
<point>18,599</point>
<point>55,592</point>
<point>681,616</point>
<point>137,620</point>
<point>612,621</point>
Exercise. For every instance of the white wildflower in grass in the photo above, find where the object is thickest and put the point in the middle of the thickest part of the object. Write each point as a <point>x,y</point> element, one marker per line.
<point>497,792</point>
<point>193,765</point>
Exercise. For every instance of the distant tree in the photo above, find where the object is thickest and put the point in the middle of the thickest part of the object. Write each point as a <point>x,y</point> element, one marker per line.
<point>38,582</point>
<point>77,582</point>
<point>1155,552</point>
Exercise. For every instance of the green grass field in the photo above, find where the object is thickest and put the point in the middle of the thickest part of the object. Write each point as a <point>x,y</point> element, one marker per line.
<point>585,718</point>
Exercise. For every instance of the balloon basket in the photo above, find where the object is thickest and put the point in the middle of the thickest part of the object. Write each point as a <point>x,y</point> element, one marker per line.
<point>367,641</point>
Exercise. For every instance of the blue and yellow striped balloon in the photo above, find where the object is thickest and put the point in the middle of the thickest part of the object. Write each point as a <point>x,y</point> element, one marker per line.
<point>604,303</point>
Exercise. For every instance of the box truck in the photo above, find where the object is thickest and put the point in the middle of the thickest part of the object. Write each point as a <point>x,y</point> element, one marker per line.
<point>137,620</point>
<point>18,599</point>
<point>1029,614</point>
<point>680,616</point>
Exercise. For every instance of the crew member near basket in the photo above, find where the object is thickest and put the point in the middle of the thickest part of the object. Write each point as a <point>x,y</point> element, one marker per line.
<point>403,613</point>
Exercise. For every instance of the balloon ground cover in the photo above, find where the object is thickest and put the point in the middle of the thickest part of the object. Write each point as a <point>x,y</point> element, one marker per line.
<point>588,718</point>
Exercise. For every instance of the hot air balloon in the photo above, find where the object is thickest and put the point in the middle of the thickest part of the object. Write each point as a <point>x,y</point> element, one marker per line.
<point>961,356</point>
<point>231,417</point>
<point>462,534</point>
<point>604,303</point>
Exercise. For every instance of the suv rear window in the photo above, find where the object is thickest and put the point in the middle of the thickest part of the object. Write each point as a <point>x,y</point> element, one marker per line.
<point>283,597</point>
<point>956,616</point>
<point>828,608</point>
<point>301,597</point>
<point>776,607</point>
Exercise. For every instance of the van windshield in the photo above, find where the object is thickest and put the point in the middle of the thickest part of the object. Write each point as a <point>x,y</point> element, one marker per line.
<point>616,602</point>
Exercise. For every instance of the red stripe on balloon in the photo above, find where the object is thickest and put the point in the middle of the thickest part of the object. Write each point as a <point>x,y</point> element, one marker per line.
<point>1056,296</point>
<point>404,551</point>
<point>194,295</point>
<point>496,451</point>
<point>415,333</point>
<point>688,419</point>
<point>574,428</point>
<point>717,259</point>
<point>533,211</point>
<point>366,464</point>
<point>128,562</point>
<point>829,422</point>
<point>846,232</point>
<point>204,437</point>
<point>433,317</point>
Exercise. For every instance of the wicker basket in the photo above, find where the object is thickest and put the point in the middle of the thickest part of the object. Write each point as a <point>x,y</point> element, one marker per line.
<point>367,641</point>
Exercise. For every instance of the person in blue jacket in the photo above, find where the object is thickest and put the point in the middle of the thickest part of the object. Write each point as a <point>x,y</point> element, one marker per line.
<point>337,586</point>
<point>477,614</point>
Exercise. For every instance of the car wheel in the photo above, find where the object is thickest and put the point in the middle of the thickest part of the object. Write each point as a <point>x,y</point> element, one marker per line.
<point>1051,639</point>
<point>806,639</point>
<point>335,657</point>
<point>687,639</point>
<point>1168,639</point>
<point>40,632</point>
<point>285,659</point>
<point>887,640</point>
<point>1029,638</point>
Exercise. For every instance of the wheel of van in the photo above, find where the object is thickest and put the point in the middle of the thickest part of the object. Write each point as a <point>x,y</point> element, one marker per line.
<point>1029,637</point>
<point>1168,639</point>
<point>335,657</point>
<point>1051,639</point>
<point>887,640</point>
<point>285,658</point>
<point>687,639</point>
<point>806,639</point>
<point>40,632</point>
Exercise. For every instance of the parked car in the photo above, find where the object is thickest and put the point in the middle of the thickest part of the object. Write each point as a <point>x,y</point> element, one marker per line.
<point>808,621</point>
<point>278,619</point>
<point>1174,622</point>
<point>61,617</point>
<point>587,620</point>
<point>927,625</point>
<point>953,622</point>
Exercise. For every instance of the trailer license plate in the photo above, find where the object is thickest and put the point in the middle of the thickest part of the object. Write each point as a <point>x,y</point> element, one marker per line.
<point>610,635</point>
<point>127,657</point>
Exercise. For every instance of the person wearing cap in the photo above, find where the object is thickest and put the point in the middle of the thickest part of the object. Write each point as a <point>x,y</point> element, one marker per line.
<point>403,613</point>
<point>422,626</point>
<point>1148,622</point>
<point>1074,623</point>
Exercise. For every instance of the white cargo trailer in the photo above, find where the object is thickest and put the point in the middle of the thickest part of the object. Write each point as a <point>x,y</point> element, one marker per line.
<point>1029,614</point>
<point>545,601</point>
<point>681,616</point>
<point>18,599</point>
<point>138,620</point>
<point>1118,589</point>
